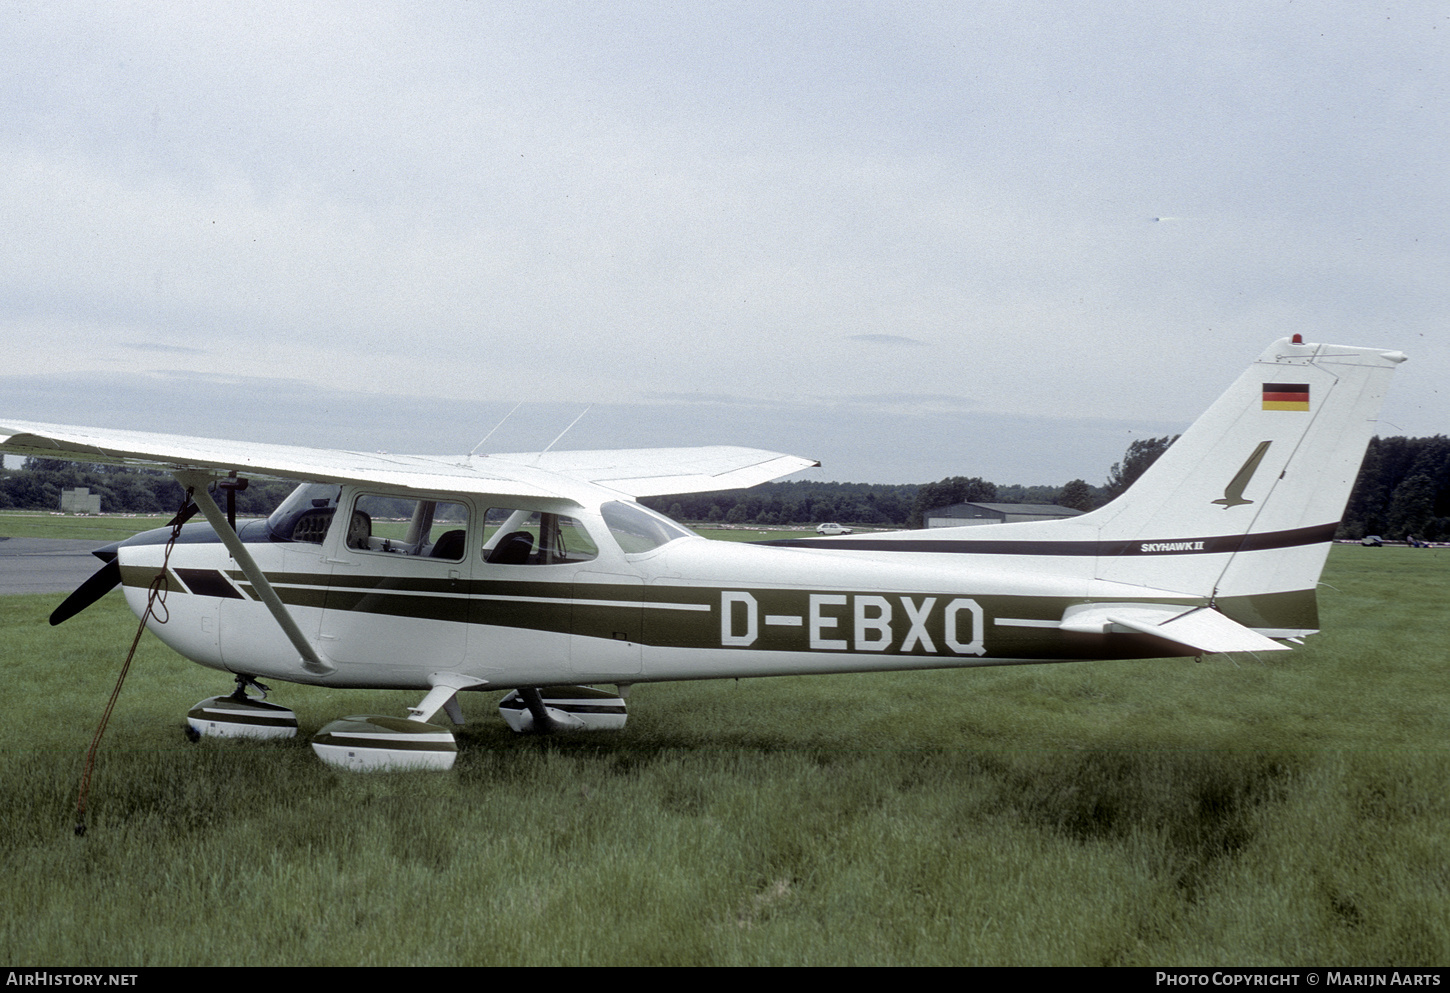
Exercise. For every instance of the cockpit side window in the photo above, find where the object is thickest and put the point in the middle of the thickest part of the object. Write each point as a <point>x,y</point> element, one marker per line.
<point>535,537</point>
<point>392,525</point>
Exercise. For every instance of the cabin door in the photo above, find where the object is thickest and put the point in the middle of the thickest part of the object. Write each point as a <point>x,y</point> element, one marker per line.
<point>398,596</point>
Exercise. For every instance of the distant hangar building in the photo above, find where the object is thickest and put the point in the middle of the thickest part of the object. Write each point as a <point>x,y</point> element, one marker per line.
<point>80,501</point>
<point>963,514</point>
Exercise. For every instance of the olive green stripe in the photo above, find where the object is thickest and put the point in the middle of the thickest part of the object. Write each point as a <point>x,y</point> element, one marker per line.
<point>632,613</point>
<point>1295,609</point>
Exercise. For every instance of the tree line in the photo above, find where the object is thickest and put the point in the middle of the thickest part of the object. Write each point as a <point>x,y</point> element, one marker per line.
<point>1403,488</point>
<point>123,489</point>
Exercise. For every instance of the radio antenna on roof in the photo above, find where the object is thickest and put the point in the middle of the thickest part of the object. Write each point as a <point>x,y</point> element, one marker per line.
<point>495,428</point>
<point>565,431</point>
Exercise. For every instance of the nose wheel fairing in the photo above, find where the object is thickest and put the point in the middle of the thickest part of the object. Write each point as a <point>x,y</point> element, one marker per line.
<point>238,715</point>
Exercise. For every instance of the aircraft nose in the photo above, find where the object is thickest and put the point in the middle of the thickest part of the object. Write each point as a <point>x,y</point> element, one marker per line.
<point>108,577</point>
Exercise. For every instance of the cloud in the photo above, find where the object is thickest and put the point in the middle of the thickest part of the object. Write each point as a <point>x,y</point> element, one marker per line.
<point>165,349</point>
<point>886,339</point>
<point>714,211</point>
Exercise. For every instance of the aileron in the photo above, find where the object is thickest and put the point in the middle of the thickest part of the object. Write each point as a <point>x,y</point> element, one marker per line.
<point>642,472</point>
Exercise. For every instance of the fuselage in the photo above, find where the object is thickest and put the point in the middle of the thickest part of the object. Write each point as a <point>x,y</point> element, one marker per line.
<point>625,597</point>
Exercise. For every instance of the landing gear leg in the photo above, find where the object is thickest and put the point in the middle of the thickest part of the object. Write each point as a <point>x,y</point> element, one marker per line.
<point>544,721</point>
<point>243,681</point>
<point>550,709</point>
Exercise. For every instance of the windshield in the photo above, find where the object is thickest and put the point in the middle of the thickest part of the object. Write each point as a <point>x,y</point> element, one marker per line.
<point>639,529</point>
<point>305,514</point>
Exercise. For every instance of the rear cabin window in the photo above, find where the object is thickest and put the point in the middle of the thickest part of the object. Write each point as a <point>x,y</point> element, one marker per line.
<point>390,525</point>
<point>535,537</point>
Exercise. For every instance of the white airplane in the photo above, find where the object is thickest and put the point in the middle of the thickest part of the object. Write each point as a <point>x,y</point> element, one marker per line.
<point>540,574</point>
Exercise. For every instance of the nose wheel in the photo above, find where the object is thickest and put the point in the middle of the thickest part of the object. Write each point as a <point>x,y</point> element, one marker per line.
<point>238,715</point>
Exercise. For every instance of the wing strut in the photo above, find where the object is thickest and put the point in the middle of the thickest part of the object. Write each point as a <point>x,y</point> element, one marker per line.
<point>312,659</point>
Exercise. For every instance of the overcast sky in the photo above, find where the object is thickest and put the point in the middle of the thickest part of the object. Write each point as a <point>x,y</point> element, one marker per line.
<point>910,240</point>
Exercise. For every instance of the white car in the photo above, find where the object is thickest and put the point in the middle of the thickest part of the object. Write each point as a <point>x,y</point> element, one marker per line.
<point>832,529</point>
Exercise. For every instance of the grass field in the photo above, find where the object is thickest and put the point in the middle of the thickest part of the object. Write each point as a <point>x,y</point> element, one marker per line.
<point>1294,811</point>
<point>105,529</point>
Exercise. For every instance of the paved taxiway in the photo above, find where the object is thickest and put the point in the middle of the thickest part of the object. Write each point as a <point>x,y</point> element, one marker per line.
<point>46,565</point>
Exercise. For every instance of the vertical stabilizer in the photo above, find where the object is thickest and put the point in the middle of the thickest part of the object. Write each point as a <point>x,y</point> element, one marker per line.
<point>1264,476</point>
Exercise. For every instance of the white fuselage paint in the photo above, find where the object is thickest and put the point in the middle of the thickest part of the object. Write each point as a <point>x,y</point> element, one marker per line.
<point>880,611</point>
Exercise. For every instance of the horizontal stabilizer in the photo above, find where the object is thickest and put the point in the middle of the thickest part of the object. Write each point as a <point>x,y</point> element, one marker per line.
<point>1200,628</point>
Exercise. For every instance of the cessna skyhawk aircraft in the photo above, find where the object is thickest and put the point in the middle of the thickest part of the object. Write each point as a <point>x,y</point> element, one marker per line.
<point>540,574</point>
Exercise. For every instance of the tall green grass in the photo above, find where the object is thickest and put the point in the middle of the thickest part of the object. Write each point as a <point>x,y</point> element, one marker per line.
<point>102,529</point>
<point>1289,811</point>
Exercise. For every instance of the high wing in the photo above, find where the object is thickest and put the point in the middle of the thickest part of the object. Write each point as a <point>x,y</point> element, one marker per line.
<point>644,472</point>
<point>634,472</point>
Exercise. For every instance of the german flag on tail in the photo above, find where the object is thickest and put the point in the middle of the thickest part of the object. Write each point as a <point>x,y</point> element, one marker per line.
<point>1286,396</point>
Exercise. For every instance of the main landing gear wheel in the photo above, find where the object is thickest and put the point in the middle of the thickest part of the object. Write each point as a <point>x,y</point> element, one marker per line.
<point>371,742</point>
<point>240,716</point>
<point>562,708</point>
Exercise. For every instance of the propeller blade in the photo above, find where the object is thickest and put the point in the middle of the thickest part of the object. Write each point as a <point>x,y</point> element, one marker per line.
<point>107,578</point>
